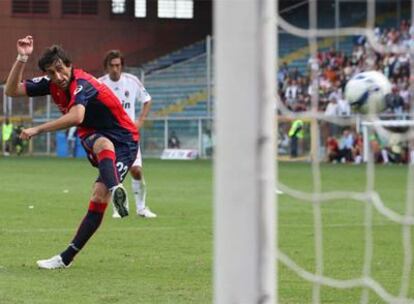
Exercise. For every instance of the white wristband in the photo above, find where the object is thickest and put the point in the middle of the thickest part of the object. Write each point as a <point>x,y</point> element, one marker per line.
<point>22,58</point>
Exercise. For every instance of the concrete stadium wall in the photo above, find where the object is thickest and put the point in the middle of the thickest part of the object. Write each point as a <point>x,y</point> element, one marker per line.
<point>87,38</point>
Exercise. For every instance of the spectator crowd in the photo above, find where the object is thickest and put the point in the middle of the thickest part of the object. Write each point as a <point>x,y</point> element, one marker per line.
<point>334,68</point>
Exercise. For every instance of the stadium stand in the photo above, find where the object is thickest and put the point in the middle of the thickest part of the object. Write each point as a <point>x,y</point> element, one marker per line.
<point>178,90</point>
<point>180,55</point>
<point>175,80</point>
<point>178,80</point>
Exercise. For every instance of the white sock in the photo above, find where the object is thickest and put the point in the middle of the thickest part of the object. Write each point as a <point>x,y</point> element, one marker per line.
<point>140,193</point>
<point>384,154</point>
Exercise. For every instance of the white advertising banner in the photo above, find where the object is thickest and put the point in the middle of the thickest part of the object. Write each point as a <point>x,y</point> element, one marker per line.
<point>181,154</point>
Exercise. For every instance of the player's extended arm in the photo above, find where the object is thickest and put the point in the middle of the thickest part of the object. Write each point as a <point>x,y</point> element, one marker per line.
<point>144,113</point>
<point>74,117</point>
<point>14,85</point>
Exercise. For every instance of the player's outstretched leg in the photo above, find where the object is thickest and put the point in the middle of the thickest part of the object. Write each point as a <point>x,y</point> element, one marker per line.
<point>87,228</point>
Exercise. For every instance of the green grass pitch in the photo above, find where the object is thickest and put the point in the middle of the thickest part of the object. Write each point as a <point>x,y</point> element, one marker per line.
<point>169,259</point>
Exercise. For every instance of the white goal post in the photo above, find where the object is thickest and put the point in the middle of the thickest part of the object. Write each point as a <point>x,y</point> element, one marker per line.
<point>244,165</point>
<point>379,125</point>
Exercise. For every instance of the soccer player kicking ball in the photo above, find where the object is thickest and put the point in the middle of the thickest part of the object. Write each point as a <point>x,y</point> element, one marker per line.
<point>108,135</point>
<point>129,89</point>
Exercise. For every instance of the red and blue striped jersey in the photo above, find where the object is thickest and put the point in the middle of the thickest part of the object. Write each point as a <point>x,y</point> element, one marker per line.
<point>103,111</point>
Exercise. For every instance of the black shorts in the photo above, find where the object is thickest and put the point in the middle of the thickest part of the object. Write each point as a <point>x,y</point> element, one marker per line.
<point>125,152</point>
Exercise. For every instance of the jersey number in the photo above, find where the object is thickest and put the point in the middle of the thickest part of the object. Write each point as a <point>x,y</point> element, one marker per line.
<point>122,170</point>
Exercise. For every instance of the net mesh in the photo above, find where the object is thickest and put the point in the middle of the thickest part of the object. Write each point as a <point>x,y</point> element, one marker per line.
<point>372,200</point>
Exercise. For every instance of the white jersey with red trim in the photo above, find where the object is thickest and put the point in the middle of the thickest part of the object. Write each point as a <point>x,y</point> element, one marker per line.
<point>129,90</point>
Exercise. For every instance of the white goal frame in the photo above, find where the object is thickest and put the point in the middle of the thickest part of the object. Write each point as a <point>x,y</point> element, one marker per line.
<point>244,166</point>
<point>379,125</point>
<point>245,204</point>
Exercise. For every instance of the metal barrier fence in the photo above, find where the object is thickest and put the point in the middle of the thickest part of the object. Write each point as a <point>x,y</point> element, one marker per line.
<point>194,133</point>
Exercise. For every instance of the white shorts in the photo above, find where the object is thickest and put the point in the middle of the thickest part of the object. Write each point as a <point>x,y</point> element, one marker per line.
<point>138,159</point>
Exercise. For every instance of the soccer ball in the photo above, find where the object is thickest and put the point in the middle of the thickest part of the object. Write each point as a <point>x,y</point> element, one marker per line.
<point>366,92</point>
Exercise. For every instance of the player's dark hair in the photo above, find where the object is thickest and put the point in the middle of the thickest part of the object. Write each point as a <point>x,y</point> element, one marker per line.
<point>51,55</point>
<point>113,54</point>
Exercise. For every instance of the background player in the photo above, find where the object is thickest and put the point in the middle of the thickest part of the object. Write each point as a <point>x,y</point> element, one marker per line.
<point>107,133</point>
<point>130,90</point>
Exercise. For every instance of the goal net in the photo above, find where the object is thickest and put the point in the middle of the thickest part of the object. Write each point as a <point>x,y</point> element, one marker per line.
<point>382,270</point>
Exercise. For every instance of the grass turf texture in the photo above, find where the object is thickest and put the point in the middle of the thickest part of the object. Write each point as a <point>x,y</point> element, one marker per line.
<point>169,259</point>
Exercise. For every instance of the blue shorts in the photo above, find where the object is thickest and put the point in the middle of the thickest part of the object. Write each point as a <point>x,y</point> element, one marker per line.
<point>125,152</point>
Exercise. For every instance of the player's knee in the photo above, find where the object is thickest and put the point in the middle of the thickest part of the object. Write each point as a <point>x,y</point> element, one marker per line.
<point>136,172</point>
<point>101,144</point>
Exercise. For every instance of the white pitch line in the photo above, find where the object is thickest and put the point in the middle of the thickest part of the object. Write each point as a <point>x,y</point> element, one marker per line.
<point>336,225</point>
<point>48,230</point>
